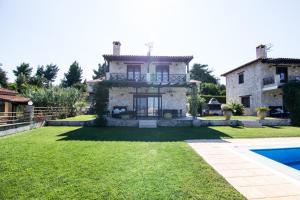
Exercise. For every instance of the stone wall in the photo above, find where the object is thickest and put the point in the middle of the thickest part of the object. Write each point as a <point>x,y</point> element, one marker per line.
<point>172,97</point>
<point>19,127</point>
<point>69,123</point>
<point>195,123</point>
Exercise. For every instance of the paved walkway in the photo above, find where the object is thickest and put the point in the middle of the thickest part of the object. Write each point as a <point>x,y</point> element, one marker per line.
<point>254,178</point>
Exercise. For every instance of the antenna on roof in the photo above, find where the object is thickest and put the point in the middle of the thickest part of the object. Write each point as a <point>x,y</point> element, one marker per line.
<point>150,47</point>
<point>269,47</point>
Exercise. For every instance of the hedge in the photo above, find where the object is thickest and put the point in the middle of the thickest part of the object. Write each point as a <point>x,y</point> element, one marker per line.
<point>291,95</point>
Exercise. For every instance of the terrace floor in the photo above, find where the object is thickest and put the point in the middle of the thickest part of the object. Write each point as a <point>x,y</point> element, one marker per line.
<point>252,175</point>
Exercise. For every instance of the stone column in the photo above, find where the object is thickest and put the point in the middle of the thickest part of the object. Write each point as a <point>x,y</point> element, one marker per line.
<point>30,112</point>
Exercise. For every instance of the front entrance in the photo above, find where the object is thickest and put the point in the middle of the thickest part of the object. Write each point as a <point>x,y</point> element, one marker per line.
<point>147,106</point>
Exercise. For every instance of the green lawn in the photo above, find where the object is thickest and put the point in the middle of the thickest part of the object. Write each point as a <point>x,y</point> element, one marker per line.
<point>80,118</point>
<point>233,117</point>
<point>116,163</point>
<point>107,163</point>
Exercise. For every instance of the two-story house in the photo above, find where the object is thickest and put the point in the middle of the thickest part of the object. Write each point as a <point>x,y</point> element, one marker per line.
<point>147,85</point>
<point>258,82</point>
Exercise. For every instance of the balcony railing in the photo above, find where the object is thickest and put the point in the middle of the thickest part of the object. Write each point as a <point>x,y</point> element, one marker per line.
<point>268,80</point>
<point>125,77</point>
<point>162,78</point>
<point>172,78</point>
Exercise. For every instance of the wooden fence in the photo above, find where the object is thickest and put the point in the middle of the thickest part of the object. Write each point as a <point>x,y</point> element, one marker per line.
<point>14,117</point>
<point>36,114</point>
<point>42,113</point>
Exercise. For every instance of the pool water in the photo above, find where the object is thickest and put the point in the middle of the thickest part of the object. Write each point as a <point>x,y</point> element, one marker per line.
<point>286,156</point>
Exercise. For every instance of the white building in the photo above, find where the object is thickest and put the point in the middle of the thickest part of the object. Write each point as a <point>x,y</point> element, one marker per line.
<point>258,82</point>
<point>148,86</point>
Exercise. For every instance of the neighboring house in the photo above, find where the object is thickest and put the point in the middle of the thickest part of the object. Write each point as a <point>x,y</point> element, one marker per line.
<point>258,82</point>
<point>9,100</point>
<point>148,86</point>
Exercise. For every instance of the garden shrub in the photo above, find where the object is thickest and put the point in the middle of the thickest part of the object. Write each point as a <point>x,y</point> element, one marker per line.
<point>237,108</point>
<point>199,103</point>
<point>101,106</point>
<point>55,97</point>
<point>291,95</point>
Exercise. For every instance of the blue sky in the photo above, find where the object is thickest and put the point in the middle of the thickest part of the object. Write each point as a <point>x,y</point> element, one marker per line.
<point>220,33</point>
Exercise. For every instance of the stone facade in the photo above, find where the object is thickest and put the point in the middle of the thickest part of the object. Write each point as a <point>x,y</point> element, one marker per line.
<point>172,97</point>
<point>260,94</point>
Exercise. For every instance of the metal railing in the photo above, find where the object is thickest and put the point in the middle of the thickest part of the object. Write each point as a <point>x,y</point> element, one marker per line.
<point>157,77</point>
<point>127,77</point>
<point>268,80</point>
<point>172,78</point>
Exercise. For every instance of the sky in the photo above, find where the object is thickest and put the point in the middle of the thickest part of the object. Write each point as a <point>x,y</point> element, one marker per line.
<point>220,33</point>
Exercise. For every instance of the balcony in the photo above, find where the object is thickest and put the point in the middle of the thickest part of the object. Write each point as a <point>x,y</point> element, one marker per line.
<point>273,82</point>
<point>154,78</point>
<point>126,77</point>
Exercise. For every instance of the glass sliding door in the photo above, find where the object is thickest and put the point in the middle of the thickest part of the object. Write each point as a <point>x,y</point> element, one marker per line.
<point>141,106</point>
<point>162,73</point>
<point>134,72</point>
<point>147,106</point>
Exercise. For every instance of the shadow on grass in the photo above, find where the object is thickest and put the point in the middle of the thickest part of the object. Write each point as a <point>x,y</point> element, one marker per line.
<point>146,135</point>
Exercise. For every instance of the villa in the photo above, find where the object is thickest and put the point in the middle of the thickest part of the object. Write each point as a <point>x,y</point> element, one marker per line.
<point>259,82</point>
<point>148,86</point>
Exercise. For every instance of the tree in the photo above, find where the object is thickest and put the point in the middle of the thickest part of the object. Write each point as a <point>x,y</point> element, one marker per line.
<point>100,72</point>
<point>21,83</point>
<point>3,78</point>
<point>48,73</point>
<point>212,89</point>
<point>73,76</point>
<point>203,73</point>
<point>23,68</point>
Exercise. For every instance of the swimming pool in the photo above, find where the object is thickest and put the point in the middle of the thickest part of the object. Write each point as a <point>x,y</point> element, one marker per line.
<point>286,156</point>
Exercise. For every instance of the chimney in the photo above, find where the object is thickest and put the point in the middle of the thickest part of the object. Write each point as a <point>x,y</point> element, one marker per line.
<point>261,51</point>
<point>116,48</point>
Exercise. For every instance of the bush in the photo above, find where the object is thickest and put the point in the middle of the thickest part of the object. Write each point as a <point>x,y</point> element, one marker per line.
<point>262,109</point>
<point>54,97</point>
<point>168,116</point>
<point>291,95</point>
<point>101,97</point>
<point>200,101</point>
<point>237,108</point>
<point>226,107</point>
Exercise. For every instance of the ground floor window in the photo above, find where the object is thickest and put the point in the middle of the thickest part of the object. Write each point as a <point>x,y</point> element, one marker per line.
<point>245,101</point>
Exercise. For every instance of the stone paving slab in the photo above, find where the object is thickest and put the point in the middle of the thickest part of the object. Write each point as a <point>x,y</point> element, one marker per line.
<point>253,180</point>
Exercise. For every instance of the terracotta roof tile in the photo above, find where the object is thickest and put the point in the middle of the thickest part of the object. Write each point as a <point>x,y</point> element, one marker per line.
<point>185,59</point>
<point>7,92</point>
<point>14,98</point>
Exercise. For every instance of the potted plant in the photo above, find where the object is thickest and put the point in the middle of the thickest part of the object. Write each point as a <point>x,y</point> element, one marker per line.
<point>227,111</point>
<point>262,112</point>
<point>168,116</point>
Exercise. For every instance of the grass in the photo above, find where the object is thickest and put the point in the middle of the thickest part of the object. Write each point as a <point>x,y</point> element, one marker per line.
<point>116,163</point>
<point>106,163</point>
<point>80,118</point>
<point>234,118</point>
